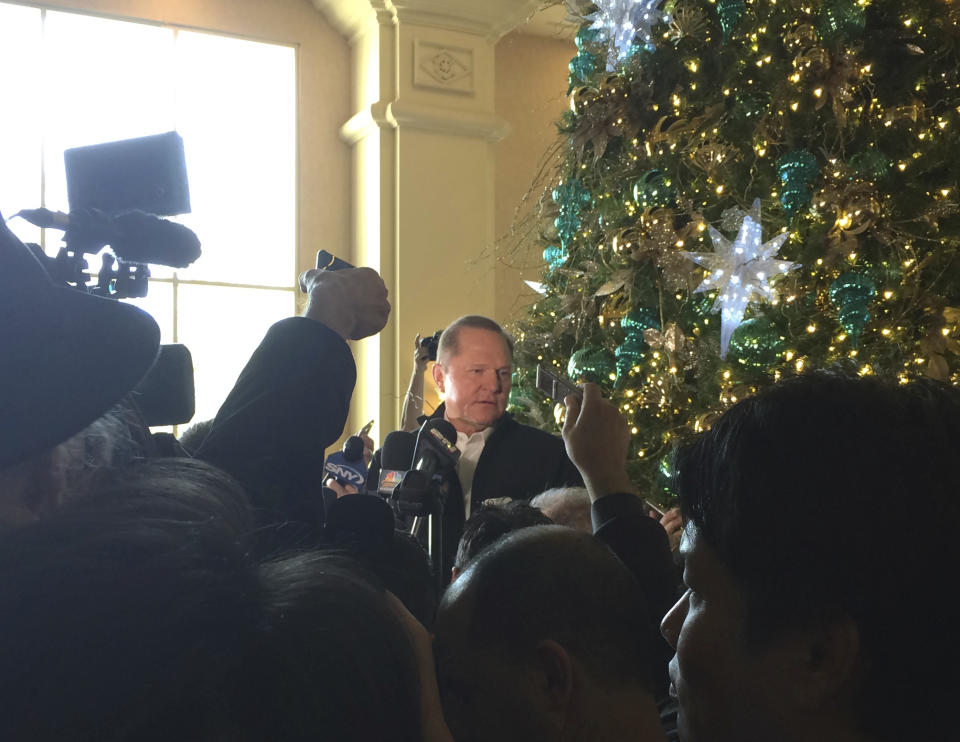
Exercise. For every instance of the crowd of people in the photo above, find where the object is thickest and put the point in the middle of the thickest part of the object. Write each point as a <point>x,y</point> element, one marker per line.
<point>217,595</point>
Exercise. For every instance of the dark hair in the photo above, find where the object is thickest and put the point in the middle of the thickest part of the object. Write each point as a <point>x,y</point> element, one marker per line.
<point>553,582</point>
<point>832,495</point>
<point>136,613</point>
<point>449,338</point>
<point>491,523</point>
<point>193,437</point>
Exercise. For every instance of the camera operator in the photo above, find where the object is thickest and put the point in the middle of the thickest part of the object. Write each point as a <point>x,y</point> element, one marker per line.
<point>67,361</point>
<point>69,357</point>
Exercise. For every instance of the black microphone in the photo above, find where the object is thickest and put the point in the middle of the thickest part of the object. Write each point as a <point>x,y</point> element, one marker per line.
<point>134,237</point>
<point>436,448</point>
<point>395,457</point>
<point>433,464</point>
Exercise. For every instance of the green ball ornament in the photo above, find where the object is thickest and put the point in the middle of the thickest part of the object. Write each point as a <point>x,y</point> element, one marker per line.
<point>591,364</point>
<point>640,319</point>
<point>582,67</point>
<point>757,343</point>
<point>730,12</point>
<point>871,164</point>
<point>840,18</point>
<point>797,169</point>
<point>852,294</point>
<point>628,354</point>
<point>653,190</point>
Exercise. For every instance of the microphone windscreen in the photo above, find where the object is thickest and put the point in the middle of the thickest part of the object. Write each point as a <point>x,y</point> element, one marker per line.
<point>397,450</point>
<point>146,239</point>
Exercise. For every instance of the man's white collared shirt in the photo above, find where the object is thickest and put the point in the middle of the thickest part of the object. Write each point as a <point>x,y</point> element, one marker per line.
<point>470,447</point>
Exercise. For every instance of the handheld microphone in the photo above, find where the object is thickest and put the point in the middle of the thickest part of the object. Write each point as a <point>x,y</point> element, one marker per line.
<point>134,237</point>
<point>436,448</point>
<point>434,461</point>
<point>395,457</point>
<point>347,466</point>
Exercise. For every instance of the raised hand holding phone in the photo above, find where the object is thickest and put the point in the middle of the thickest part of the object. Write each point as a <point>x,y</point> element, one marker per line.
<point>597,440</point>
<point>350,301</point>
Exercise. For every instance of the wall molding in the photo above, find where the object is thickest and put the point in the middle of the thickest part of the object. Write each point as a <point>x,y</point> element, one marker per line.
<point>419,117</point>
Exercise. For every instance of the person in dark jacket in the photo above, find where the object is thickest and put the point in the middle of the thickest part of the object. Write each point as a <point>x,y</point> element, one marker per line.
<point>499,457</point>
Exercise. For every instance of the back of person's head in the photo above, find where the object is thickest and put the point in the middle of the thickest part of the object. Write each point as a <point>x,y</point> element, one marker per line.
<point>835,496</point>
<point>448,345</point>
<point>566,506</point>
<point>136,613</point>
<point>552,582</point>
<point>490,523</point>
<point>193,437</point>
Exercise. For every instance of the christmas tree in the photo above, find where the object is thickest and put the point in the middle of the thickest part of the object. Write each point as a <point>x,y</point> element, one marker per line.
<point>748,190</point>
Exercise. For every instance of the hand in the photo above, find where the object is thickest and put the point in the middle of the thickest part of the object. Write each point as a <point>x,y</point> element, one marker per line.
<point>367,448</point>
<point>597,440</point>
<point>342,490</point>
<point>672,523</point>
<point>353,302</point>
<point>420,356</point>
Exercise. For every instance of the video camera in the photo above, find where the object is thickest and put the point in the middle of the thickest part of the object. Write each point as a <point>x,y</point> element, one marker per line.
<point>117,192</point>
<point>431,344</point>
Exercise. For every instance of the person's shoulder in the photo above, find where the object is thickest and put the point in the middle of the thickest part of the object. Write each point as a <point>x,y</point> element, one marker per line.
<point>508,426</point>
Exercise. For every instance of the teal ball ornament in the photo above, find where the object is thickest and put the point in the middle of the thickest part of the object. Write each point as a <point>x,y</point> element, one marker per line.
<point>586,36</point>
<point>640,319</point>
<point>797,169</point>
<point>654,189</point>
<point>592,364</point>
<point>628,354</point>
<point>852,294</point>
<point>730,12</point>
<point>582,67</point>
<point>554,256</point>
<point>757,343</point>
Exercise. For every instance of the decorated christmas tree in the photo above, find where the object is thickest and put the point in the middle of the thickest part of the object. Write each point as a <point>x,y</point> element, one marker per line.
<point>748,190</point>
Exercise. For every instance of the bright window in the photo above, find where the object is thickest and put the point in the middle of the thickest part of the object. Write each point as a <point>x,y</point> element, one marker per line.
<point>69,79</point>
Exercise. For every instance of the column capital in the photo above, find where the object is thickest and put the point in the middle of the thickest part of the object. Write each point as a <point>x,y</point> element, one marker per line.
<point>488,18</point>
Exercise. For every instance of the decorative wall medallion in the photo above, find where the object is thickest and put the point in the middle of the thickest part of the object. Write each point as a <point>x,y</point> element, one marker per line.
<point>443,67</point>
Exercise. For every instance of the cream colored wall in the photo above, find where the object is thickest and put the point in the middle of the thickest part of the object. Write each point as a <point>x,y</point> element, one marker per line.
<point>324,95</point>
<point>530,95</point>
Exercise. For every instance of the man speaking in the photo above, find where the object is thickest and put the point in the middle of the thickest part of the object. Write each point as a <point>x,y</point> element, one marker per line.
<point>499,457</point>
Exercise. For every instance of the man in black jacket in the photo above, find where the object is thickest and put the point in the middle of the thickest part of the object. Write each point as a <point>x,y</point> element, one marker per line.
<point>499,457</point>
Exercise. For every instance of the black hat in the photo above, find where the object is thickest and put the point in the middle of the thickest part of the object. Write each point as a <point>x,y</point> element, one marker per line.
<point>66,357</point>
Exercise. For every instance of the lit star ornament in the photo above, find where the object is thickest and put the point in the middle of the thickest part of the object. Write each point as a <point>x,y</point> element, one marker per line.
<point>741,271</point>
<point>626,23</point>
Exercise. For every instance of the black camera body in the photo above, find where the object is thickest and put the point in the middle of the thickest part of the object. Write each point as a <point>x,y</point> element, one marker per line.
<point>430,344</point>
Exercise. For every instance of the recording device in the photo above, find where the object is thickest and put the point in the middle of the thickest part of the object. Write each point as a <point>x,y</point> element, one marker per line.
<point>430,345</point>
<point>396,456</point>
<point>328,262</point>
<point>348,466</point>
<point>556,387</point>
<point>116,192</point>
<point>654,507</point>
<point>422,490</point>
